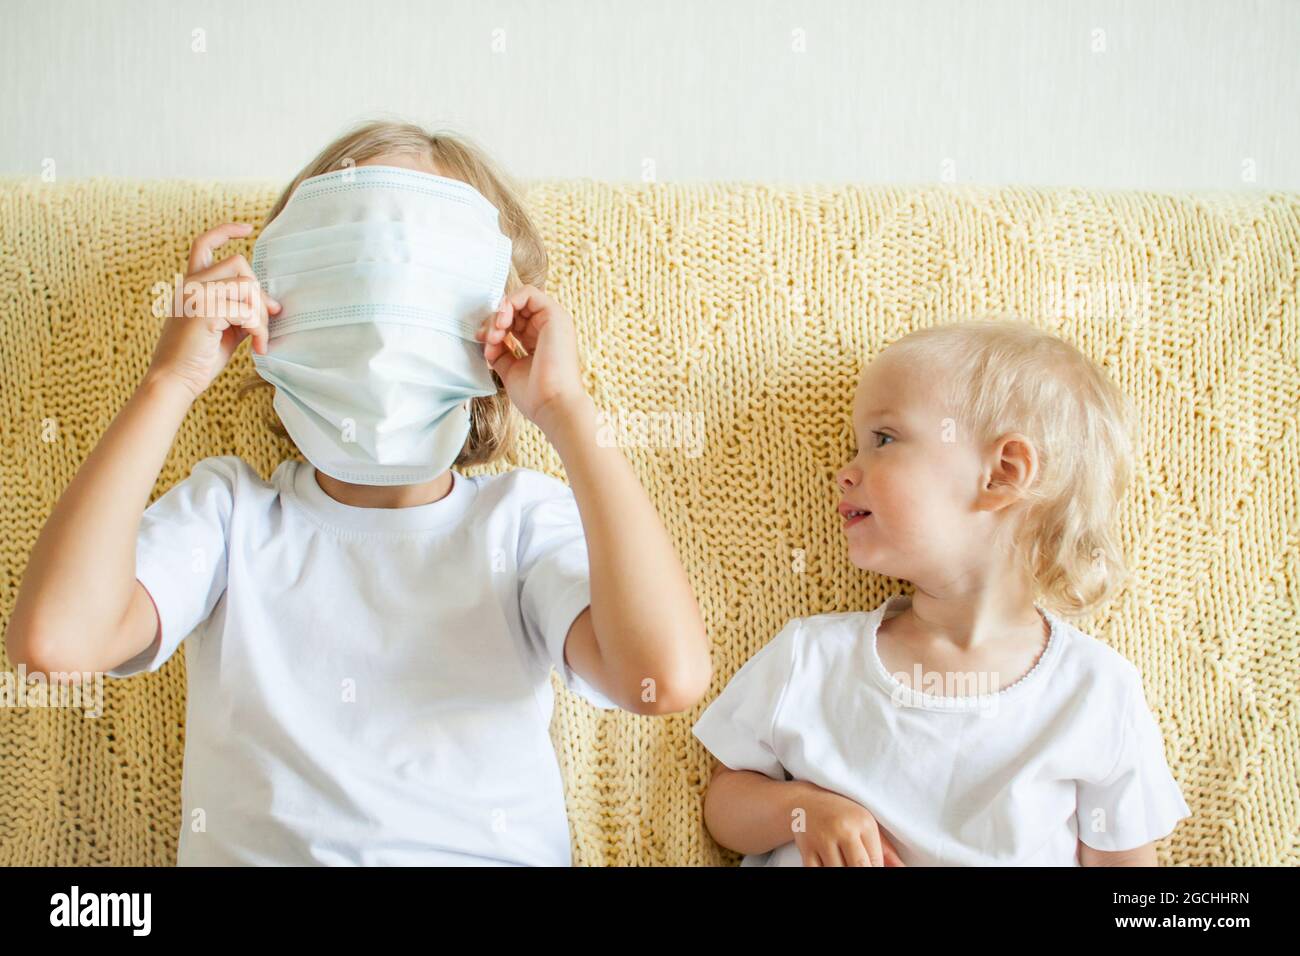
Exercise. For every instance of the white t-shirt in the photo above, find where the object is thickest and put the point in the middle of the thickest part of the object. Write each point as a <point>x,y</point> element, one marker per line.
<point>366,685</point>
<point>1069,751</point>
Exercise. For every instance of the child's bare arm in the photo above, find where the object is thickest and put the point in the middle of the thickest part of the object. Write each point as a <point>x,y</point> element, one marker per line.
<point>79,607</point>
<point>1144,855</point>
<point>643,622</point>
<point>750,812</point>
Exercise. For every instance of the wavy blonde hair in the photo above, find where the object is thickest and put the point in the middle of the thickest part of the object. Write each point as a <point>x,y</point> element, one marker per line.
<point>1003,375</point>
<point>493,421</point>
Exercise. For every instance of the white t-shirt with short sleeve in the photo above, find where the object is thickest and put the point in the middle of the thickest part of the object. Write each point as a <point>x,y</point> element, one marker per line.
<point>366,685</point>
<point>1018,776</point>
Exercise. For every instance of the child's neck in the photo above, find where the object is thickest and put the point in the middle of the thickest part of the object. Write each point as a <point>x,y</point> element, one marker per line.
<point>976,615</point>
<point>386,496</point>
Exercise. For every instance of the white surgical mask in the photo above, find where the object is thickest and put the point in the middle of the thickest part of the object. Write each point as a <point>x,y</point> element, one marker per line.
<point>384,275</point>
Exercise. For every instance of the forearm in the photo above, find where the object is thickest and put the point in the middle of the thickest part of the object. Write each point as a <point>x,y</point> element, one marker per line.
<point>750,812</point>
<point>642,632</point>
<point>82,568</point>
<point>1144,855</point>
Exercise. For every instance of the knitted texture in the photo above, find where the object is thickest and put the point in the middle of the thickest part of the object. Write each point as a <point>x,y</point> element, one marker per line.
<point>748,311</point>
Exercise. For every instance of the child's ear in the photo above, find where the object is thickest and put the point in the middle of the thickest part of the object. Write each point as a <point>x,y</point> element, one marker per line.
<point>1010,473</point>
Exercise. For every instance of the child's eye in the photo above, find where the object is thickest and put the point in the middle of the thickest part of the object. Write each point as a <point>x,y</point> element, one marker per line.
<point>882,435</point>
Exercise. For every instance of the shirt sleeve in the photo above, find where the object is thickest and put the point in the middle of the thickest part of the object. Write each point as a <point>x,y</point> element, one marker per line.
<point>1138,801</point>
<point>555,580</point>
<point>740,725</point>
<point>180,556</point>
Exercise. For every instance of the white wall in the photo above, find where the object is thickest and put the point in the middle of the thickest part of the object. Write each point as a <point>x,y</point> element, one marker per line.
<point>1144,94</point>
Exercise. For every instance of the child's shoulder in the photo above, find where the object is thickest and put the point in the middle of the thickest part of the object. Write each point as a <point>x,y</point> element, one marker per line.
<point>234,473</point>
<point>1092,662</point>
<point>217,488</point>
<point>831,625</point>
<point>826,632</point>
<point>521,486</point>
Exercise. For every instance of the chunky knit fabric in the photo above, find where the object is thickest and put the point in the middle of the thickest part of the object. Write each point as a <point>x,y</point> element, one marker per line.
<point>736,318</point>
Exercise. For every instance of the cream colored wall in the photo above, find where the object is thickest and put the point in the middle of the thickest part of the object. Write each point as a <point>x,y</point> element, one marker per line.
<point>1161,95</point>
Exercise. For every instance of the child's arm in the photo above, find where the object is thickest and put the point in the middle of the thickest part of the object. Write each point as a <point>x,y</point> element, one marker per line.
<point>643,623</point>
<point>79,607</point>
<point>1144,855</point>
<point>749,812</point>
<point>1137,801</point>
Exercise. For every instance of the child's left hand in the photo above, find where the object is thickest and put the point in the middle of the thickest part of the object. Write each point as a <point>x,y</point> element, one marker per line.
<point>546,385</point>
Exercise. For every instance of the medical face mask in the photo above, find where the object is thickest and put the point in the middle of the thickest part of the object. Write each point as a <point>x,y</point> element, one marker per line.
<point>384,275</point>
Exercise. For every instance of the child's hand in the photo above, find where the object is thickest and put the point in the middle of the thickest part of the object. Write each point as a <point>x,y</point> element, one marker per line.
<point>840,832</point>
<point>219,306</point>
<point>546,385</point>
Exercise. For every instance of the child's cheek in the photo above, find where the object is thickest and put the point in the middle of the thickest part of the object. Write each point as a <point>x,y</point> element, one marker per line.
<point>912,502</point>
<point>902,487</point>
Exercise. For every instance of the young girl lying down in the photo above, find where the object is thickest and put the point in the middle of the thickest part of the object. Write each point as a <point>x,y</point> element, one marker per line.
<point>967,723</point>
<point>371,632</point>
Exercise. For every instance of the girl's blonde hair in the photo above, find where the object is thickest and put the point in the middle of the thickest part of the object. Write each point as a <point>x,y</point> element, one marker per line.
<point>1002,376</point>
<point>493,421</point>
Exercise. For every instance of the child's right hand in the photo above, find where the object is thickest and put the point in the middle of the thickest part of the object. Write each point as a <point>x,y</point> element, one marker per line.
<point>219,307</point>
<point>840,832</point>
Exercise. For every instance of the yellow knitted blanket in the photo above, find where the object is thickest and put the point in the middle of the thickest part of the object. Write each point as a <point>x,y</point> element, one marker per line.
<point>743,311</point>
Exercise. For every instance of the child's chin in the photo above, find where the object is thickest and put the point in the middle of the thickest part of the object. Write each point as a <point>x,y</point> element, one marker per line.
<point>865,562</point>
<point>866,558</point>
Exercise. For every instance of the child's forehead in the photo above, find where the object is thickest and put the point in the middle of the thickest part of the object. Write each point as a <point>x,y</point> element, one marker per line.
<point>884,376</point>
<point>887,385</point>
<point>412,161</point>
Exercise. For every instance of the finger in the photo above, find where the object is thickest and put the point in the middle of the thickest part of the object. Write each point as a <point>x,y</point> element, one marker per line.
<point>498,357</point>
<point>871,842</point>
<point>201,250</point>
<point>257,322</point>
<point>262,334</point>
<point>530,300</point>
<point>529,329</point>
<point>491,344</point>
<point>231,267</point>
<point>261,342</point>
<point>244,305</point>
<point>533,311</point>
<point>489,347</point>
<point>500,323</point>
<point>854,853</point>
<point>504,314</point>
<point>230,303</point>
<point>236,267</point>
<point>256,316</point>
<point>890,854</point>
<point>216,311</point>
<point>830,855</point>
<point>502,362</point>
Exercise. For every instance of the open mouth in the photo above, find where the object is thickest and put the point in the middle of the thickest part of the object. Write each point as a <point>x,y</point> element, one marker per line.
<point>855,517</point>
